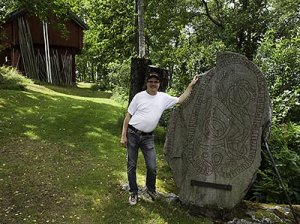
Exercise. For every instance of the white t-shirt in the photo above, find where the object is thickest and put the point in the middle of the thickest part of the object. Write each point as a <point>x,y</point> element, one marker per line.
<point>147,109</point>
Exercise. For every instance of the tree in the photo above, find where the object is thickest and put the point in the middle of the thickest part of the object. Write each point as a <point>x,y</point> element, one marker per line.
<point>108,40</point>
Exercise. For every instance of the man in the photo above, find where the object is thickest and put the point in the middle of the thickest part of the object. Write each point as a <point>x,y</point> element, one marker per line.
<point>141,119</point>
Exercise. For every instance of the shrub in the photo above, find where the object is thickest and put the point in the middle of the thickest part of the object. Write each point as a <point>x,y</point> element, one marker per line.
<point>119,76</point>
<point>284,146</point>
<point>120,95</point>
<point>10,78</point>
<point>98,86</point>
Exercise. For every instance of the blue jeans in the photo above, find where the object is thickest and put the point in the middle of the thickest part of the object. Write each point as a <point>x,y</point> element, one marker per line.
<point>146,144</point>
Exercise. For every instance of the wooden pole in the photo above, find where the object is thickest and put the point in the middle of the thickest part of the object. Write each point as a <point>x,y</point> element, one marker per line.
<point>26,48</point>
<point>47,52</point>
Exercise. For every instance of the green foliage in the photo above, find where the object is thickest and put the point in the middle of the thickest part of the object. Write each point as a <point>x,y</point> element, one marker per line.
<point>10,78</point>
<point>44,9</point>
<point>239,24</point>
<point>7,7</point>
<point>182,36</point>
<point>98,86</point>
<point>160,135</point>
<point>278,58</point>
<point>192,59</point>
<point>285,18</point>
<point>279,61</point>
<point>119,74</point>
<point>164,120</point>
<point>284,105</point>
<point>108,39</point>
<point>284,145</point>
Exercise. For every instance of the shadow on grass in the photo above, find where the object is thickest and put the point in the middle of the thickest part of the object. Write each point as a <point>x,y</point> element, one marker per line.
<point>85,179</point>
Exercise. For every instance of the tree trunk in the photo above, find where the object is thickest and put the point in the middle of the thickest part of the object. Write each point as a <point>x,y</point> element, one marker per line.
<point>141,28</point>
<point>139,69</point>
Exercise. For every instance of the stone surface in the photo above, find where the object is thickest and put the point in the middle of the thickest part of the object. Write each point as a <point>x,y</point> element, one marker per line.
<point>213,143</point>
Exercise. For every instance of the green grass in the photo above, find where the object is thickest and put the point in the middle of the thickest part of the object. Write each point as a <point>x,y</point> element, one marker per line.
<point>11,79</point>
<point>61,161</point>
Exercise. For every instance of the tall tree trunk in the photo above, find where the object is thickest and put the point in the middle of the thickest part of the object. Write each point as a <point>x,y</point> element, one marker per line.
<point>141,28</point>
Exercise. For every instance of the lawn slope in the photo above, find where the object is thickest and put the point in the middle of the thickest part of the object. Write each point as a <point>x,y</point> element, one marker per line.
<point>61,161</point>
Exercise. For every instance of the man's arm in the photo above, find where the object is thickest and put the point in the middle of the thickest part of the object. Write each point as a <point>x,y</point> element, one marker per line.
<point>124,129</point>
<point>188,90</point>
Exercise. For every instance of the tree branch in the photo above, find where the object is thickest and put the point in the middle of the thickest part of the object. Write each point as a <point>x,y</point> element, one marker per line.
<point>210,17</point>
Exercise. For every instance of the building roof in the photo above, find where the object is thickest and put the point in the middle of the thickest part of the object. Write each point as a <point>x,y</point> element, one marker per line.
<point>73,16</point>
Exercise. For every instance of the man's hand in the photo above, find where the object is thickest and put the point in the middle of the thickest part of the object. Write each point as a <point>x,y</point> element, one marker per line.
<point>188,90</point>
<point>194,81</point>
<point>124,141</point>
<point>124,130</point>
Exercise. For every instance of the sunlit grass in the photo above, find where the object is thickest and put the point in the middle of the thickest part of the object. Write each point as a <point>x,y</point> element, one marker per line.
<point>61,161</point>
<point>84,85</point>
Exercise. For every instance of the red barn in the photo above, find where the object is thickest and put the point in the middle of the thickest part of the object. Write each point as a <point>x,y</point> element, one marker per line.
<point>39,50</point>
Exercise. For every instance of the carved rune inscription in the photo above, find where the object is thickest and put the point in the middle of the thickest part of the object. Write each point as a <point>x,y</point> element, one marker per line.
<point>214,137</point>
<point>229,103</point>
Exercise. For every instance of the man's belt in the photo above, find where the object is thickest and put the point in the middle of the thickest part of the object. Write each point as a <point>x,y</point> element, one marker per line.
<point>138,131</point>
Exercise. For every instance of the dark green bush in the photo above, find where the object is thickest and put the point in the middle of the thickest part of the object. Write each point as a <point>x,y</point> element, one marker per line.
<point>284,145</point>
<point>164,120</point>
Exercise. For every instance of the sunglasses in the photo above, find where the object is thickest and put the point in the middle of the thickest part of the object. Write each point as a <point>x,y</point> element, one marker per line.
<point>153,82</point>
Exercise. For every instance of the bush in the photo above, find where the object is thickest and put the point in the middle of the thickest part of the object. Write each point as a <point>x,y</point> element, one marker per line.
<point>10,78</point>
<point>278,59</point>
<point>119,78</point>
<point>98,86</point>
<point>160,135</point>
<point>120,95</point>
<point>164,120</point>
<point>284,146</point>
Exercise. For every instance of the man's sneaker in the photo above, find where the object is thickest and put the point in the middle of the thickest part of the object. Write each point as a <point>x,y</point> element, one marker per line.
<point>152,194</point>
<point>133,199</point>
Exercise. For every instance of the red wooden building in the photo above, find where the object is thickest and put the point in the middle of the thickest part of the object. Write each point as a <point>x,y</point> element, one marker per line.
<point>24,41</point>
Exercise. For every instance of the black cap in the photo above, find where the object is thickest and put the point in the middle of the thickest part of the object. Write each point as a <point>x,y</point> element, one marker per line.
<point>153,75</point>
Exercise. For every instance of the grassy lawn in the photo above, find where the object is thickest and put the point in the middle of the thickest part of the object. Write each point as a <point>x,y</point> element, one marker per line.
<point>61,161</point>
